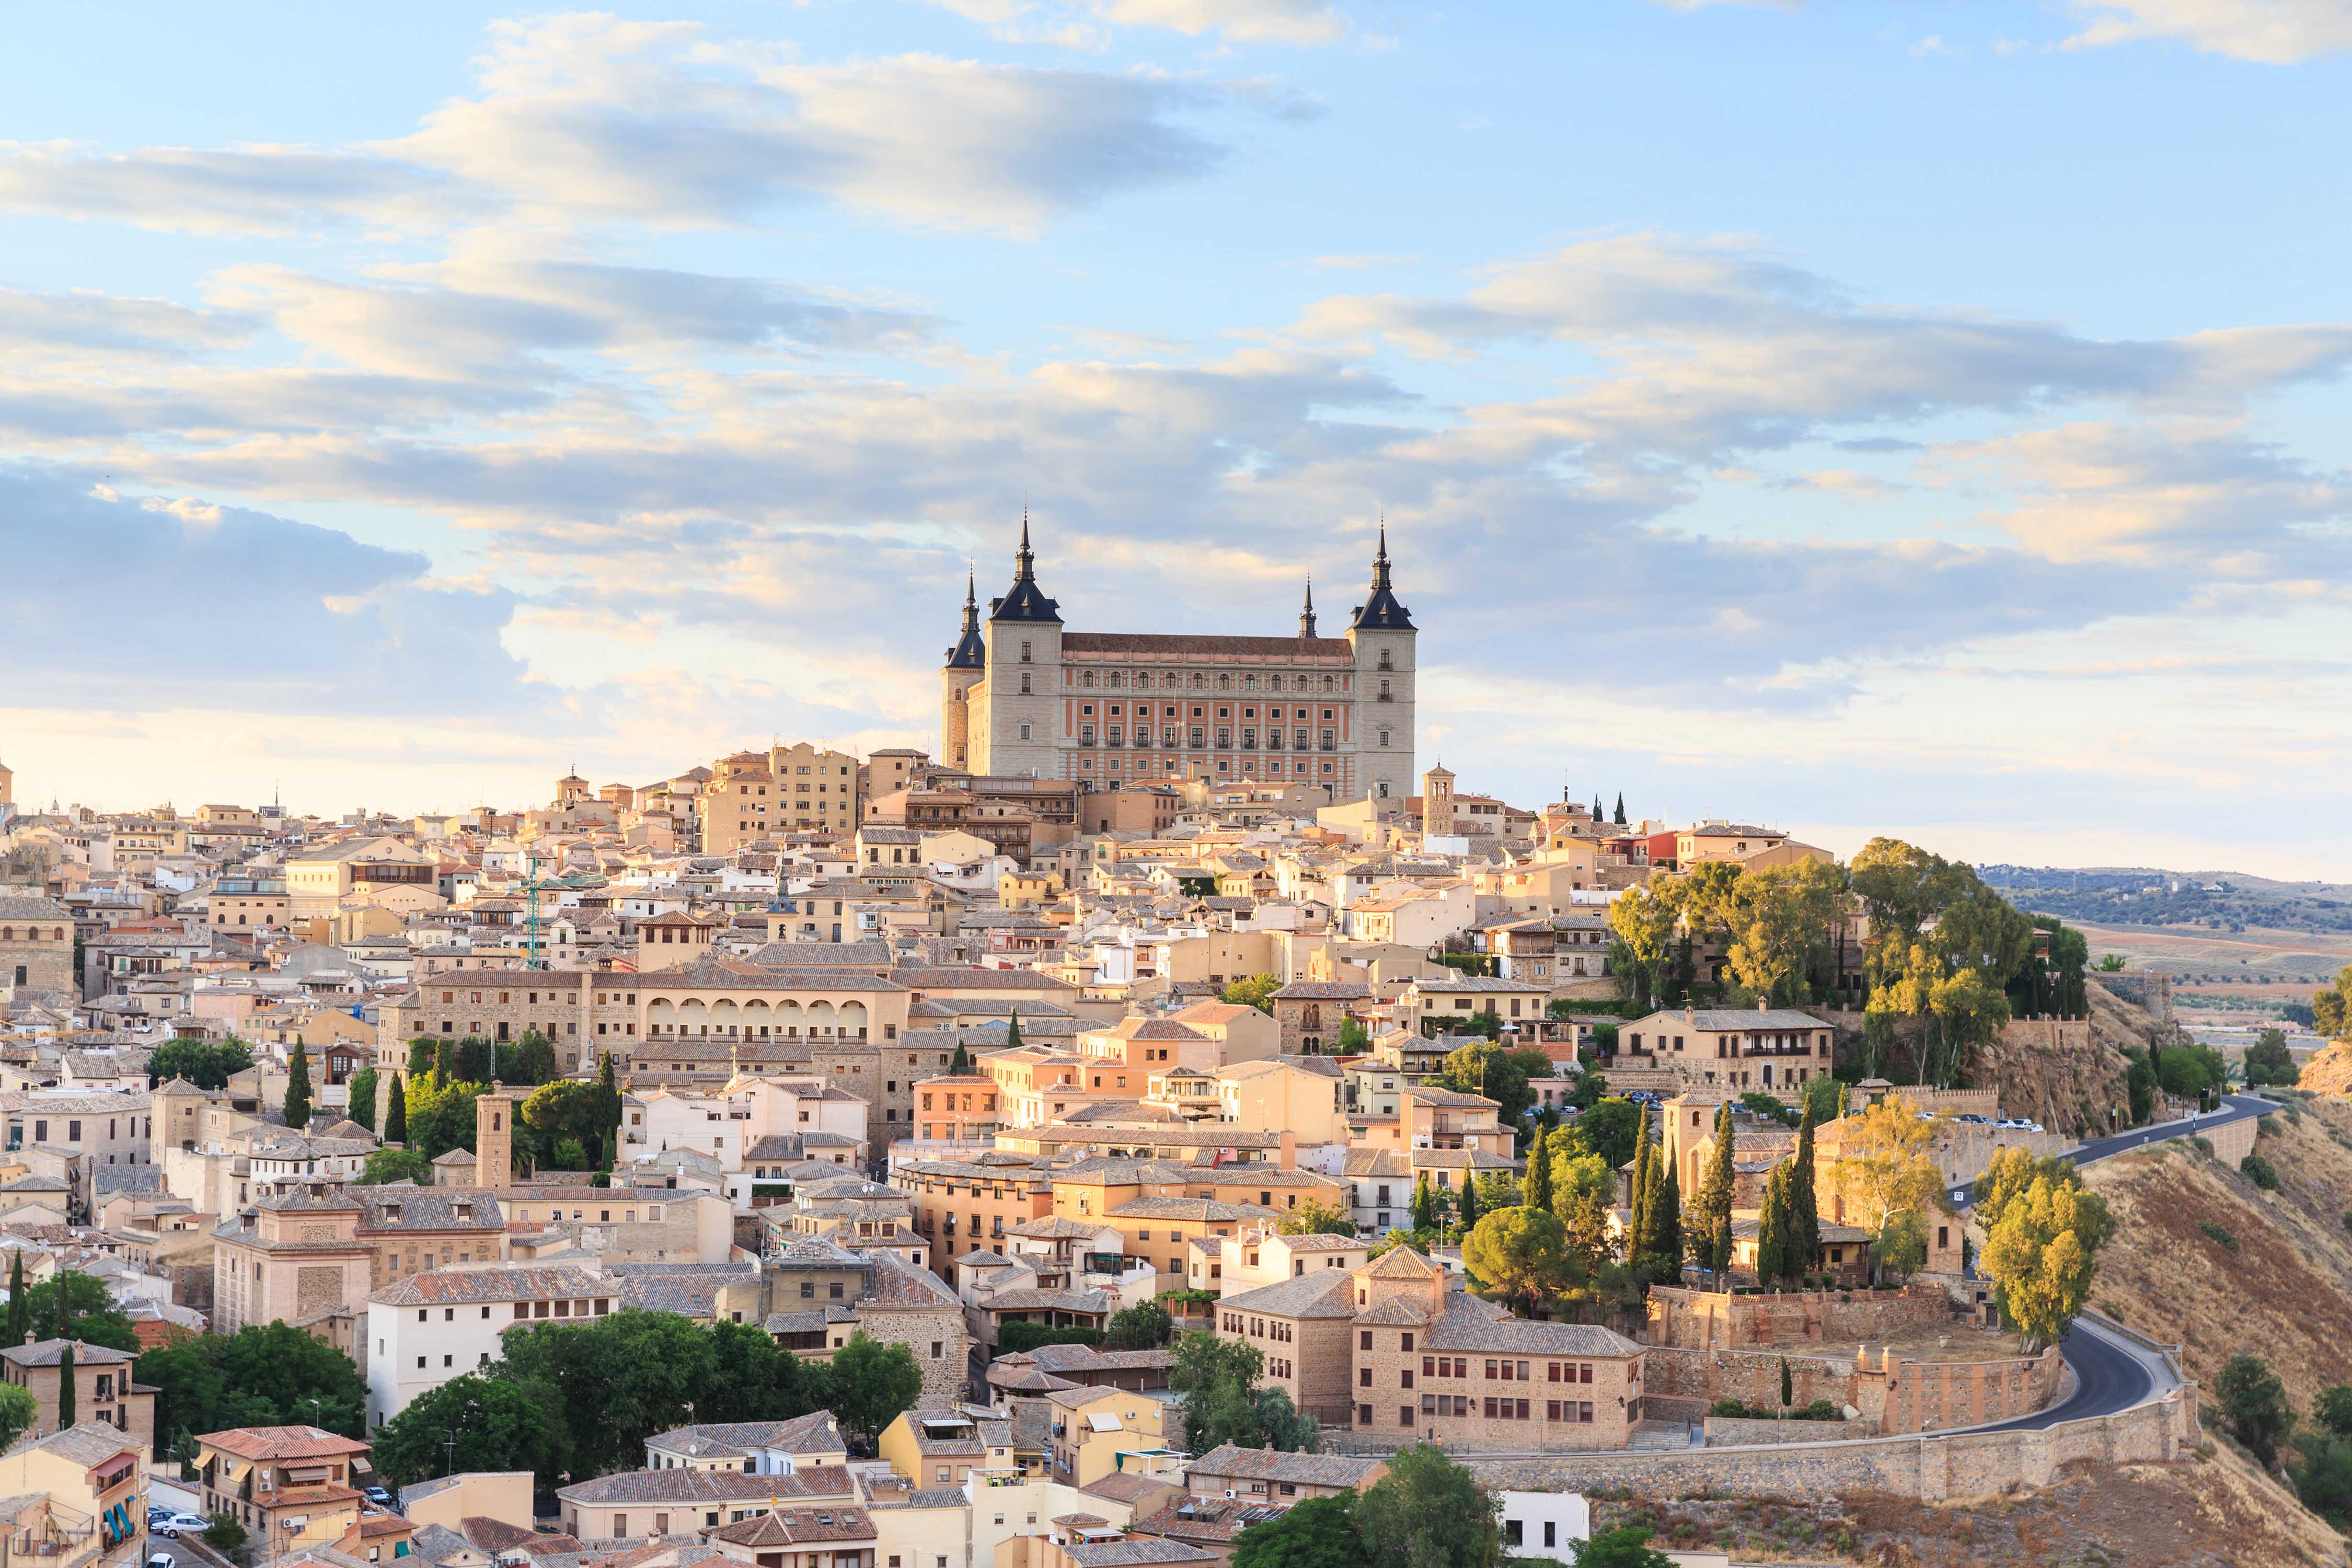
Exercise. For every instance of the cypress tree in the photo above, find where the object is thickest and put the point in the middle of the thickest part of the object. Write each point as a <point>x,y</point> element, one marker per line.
<point>1711,1215</point>
<point>1535,1191</point>
<point>1620,808</point>
<point>609,1109</point>
<point>1643,1160</point>
<point>1804,1244</point>
<point>1596,815</point>
<point>1469,1201</point>
<point>1425,1208</point>
<point>20,1309</point>
<point>1772,1229</point>
<point>962,1063</point>
<point>1788,1385</point>
<point>297,1089</point>
<point>64,1373</point>
<point>1011,1029</point>
<point>1666,1216</point>
<point>444,1061</point>
<point>396,1113</point>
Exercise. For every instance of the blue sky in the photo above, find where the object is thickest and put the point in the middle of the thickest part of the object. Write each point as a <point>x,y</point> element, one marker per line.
<point>1918,418</point>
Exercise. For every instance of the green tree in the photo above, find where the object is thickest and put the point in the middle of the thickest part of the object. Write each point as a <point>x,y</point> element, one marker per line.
<point>1772,1229</point>
<point>1642,920</point>
<point>2331,1010</point>
<point>66,1393</point>
<point>1709,1231</point>
<point>1787,1386</point>
<point>1428,1512</point>
<point>1253,991</point>
<point>1804,1243</point>
<point>2042,1255</point>
<point>1613,1130</point>
<point>1780,921</point>
<point>961,1066</point>
<point>20,1306</point>
<point>18,1411</point>
<point>1466,1209</point>
<point>2254,1402</point>
<point>874,1384</point>
<point>205,1063</point>
<point>440,1114</point>
<point>470,1422</point>
<point>1145,1326</point>
<point>1627,1546</point>
<point>1317,1533</point>
<point>2268,1061</point>
<point>1424,1205</point>
<point>395,1165</point>
<point>223,1534</point>
<point>74,1305</point>
<point>360,1092</point>
<point>297,1088</point>
<point>1354,1039</point>
<point>1222,1403</point>
<point>1315,1218</point>
<point>529,1060</point>
<point>2333,1409</point>
<point>1520,1253</point>
<point>608,1108</point>
<point>2324,1480</point>
<point>1901,1245</point>
<point>1619,817</point>
<point>395,1113</point>
<point>1502,1076</point>
<point>304,1379</point>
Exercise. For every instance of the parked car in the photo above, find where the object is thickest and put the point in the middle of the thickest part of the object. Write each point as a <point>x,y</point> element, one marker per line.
<point>377,1495</point>
<point>163,1560</point>
<point>172,1524</point>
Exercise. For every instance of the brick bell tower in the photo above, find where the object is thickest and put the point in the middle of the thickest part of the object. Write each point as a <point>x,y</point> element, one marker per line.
<point>494,1137</point>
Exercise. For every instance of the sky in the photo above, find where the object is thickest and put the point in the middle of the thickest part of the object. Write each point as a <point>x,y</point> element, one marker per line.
<point>1925,419</point>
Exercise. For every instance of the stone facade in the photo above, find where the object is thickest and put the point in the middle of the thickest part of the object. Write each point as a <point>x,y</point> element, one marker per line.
<point>1022,697</point>
<point>1709,1319</point>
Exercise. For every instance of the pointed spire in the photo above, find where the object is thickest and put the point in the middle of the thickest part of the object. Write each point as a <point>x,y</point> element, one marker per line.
<point>1307,614</point>
<point>971,598</point>
<point>1380,559</point>
<point>1024,562</point>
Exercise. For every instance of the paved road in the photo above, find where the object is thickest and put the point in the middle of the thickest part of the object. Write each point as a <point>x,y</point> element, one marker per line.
<point>2234,1108</point>
<point>2110,1375</point>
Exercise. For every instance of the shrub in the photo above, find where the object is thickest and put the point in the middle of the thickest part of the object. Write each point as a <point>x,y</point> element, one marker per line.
<point>224,1534</point>
<point>2220,1234</point>
<point>2257,1170</point>
<point>2202,1145</point>
<point>1820,1410</point>
<point>2347,1219</point>
<point>1727,1408</point>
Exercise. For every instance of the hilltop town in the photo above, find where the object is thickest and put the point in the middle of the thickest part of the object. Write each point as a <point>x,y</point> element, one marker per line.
<point>1166,1123</point>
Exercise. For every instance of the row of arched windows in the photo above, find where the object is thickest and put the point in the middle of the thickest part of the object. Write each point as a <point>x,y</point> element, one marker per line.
<point>1197,681</point>
<point>9,933</point>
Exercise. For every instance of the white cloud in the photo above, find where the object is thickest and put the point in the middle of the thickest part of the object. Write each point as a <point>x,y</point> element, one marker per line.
<point>587,120</point>
<point>1241,21</point>
<point>2268,32</point>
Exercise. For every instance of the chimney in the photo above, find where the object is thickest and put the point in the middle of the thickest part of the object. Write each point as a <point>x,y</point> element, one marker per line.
<point>1690,1013</point>
<point>1763,1004</point>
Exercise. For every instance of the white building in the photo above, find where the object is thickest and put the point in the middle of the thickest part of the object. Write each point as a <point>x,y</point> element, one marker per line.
<point>1541,1524</point>
<point>433,1327</point>
<point>728,1125</point>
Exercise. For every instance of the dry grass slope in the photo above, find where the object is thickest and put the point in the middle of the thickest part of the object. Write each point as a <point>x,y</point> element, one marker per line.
<point>2329,1071</point>
<point>2281,1294</point>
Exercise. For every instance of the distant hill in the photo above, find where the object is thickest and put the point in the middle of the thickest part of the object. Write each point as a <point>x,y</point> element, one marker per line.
<point>2147,896</point>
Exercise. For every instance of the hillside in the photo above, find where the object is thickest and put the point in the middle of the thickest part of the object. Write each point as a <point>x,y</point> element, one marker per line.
<point>2143,896</point>
<point>2284,1294</point>
<point>2329,1071</point>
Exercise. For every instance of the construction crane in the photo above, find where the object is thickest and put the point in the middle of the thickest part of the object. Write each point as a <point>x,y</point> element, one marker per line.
<point>531,910</point>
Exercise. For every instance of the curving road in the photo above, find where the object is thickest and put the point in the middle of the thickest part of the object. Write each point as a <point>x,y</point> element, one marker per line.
<point>2110,1375</point>
<point>2234,1108</point>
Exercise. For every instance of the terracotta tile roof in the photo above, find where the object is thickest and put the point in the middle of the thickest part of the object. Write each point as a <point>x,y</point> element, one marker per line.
<point>281,1442</point>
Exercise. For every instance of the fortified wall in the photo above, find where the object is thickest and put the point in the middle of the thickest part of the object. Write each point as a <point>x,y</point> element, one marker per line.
<point>1712,1319</point>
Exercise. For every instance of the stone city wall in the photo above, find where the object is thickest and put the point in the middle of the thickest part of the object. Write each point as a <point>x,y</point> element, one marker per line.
<point>1740,1431</point>
<point>1932,1468</point>
<point>1752,1377</point>
<point>1707,1319</point>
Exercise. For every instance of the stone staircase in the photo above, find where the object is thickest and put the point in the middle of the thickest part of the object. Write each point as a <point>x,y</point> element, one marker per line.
<point>1665,1436</point>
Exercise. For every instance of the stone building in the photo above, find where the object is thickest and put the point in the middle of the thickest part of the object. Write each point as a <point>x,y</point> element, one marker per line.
<point>1021,696</point>
<point>103,1389</point>
<point>1426,1360</point>
<point>36,942</point>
